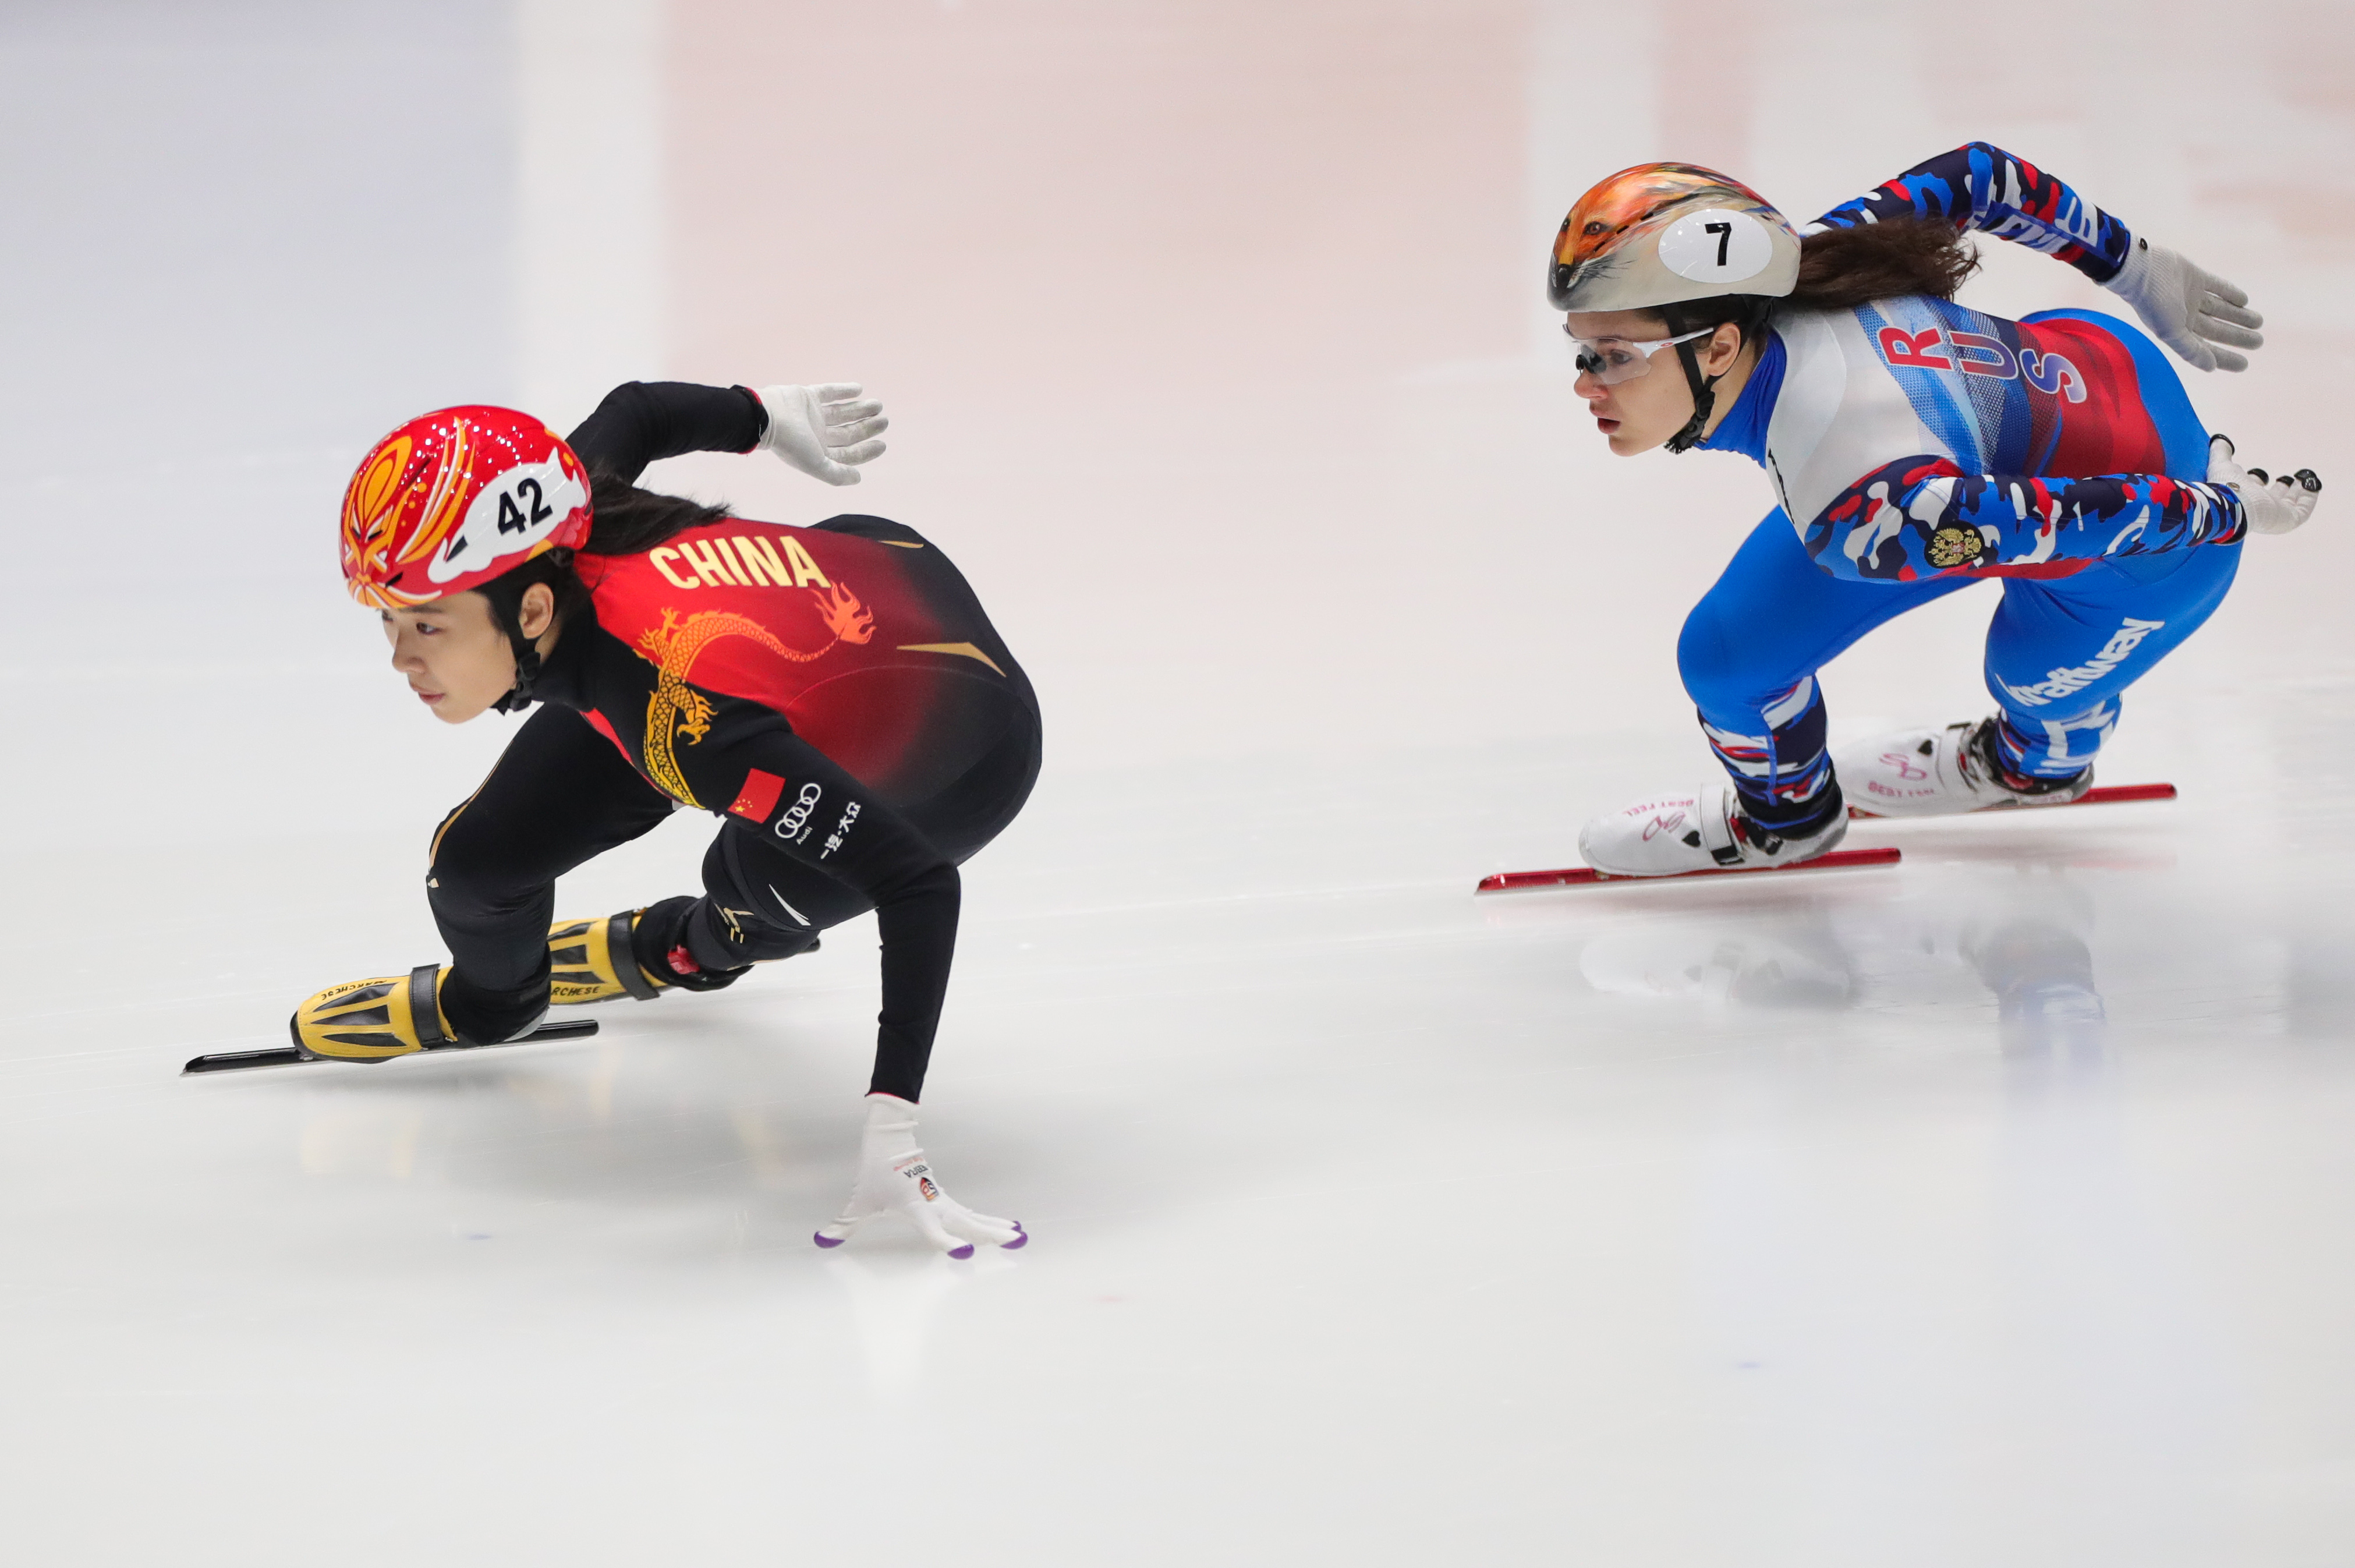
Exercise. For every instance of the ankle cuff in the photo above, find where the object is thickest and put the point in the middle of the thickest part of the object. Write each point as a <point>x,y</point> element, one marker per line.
<point>1810,819</point>
<point>1992,754</point>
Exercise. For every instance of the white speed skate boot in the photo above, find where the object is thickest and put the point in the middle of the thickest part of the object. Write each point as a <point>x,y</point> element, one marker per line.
<point>1696,830</point>
<point>1939,772</point>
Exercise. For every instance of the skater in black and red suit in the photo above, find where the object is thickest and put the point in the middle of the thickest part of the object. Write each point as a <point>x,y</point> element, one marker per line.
<point>835,694</point>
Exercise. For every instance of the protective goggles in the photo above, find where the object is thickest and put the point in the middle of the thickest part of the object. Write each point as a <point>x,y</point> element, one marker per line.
<point>1611,360</point>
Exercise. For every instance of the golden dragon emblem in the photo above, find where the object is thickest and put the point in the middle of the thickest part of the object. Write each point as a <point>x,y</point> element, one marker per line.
<point>676,709</point>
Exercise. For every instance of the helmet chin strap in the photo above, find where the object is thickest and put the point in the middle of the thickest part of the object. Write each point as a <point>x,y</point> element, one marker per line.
<point>506,608</point>
<point>1704,389</point>
<point>526,658</point>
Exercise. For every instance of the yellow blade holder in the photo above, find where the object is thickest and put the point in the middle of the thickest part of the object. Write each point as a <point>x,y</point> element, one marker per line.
<point>372,1020</point>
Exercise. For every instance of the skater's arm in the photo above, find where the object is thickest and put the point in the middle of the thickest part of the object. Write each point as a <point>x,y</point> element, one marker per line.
<point>2204,318</point>
<point>643,421</point>
<point>1984,189</point>
<point>794,799</point>
<point>1922,516</point>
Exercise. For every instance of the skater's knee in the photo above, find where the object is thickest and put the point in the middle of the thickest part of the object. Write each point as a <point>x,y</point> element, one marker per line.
<point>722,938</point>
<point>751,942</point>
<point>1719,672</point>
<point>469,878</point>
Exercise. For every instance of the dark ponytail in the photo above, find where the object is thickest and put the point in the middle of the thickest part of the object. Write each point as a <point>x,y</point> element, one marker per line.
<point>626,520</point>
<point>1843,268</point>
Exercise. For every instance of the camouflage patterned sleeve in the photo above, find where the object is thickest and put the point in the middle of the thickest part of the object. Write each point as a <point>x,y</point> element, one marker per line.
<point>1922,516</point>
<point>1984,189</point>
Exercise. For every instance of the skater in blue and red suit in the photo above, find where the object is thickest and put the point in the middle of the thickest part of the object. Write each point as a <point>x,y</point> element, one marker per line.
<point>1916,446</point>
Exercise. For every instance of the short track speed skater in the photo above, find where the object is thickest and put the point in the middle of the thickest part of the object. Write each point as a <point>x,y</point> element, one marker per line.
<point>1914,446</point>
<point>831,694</point>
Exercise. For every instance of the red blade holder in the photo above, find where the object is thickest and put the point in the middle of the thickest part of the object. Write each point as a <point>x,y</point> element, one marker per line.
<point>2103,795</point>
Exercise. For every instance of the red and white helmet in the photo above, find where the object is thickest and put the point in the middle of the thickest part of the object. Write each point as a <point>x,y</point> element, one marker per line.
<point>455,498</point>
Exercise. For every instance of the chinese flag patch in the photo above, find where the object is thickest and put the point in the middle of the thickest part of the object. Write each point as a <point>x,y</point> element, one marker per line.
<point>759,796</point>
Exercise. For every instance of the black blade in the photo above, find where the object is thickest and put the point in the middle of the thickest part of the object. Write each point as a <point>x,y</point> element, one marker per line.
<point>287,1056</point>
<point>562,1028</point>
<point>232,1060</point>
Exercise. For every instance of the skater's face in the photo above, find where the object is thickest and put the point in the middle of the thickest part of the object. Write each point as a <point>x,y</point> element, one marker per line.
<point>456,658</point>
<point>1642,410</point>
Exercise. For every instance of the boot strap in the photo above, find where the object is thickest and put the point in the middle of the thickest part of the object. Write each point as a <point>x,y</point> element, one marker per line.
<point>624,957</point>
<point>425,1006</point>
<point>1716,825</point>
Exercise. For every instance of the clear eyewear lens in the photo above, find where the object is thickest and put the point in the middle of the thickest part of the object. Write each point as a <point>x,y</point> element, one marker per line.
<point>1614,359</point>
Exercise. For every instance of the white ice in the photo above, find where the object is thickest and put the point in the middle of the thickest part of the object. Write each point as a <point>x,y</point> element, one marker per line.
<point>1992,1208</point>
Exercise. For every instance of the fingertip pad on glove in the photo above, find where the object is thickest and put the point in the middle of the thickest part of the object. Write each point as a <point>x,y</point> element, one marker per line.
<point>2271,506</point>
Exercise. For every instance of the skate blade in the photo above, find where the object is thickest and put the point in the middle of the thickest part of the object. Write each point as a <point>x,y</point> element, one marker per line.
<point>2113,794</point>
<point>1587,876</point>
<point>287,1056</point>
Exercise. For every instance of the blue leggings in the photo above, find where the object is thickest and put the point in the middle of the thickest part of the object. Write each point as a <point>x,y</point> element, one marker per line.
<point>2059,652</point>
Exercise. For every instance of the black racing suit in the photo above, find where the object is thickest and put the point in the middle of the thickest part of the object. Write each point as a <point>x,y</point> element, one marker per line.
<point>945,729</point>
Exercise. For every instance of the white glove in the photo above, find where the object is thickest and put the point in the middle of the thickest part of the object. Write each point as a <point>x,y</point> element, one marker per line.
<point>2187,309</point>
<point>823,430</point>
<point>2271,508</point>
<point>895,1178</point>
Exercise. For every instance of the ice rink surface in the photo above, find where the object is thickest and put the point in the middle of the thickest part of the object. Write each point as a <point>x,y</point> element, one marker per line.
<point>1991,1209</point>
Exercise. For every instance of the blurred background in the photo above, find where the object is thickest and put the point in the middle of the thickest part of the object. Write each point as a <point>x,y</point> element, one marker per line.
<point>1211,335</point>
<point>1991,1212</point>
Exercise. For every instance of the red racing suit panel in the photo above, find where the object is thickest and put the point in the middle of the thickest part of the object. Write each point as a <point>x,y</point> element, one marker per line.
<point>860,633</point>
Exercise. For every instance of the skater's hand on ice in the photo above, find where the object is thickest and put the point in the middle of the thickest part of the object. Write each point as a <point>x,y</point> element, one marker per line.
<point>2274,508</point>
<point>2189,310</point>
<point>894,1178</point>
<point>824,430</point>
